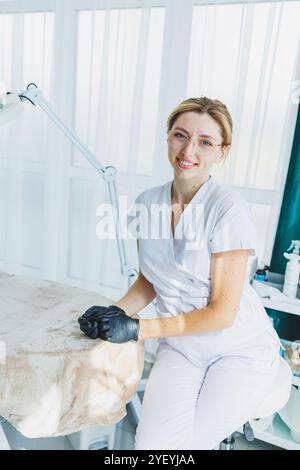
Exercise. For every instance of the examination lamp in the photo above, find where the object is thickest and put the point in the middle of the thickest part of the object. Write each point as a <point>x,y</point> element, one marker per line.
<point>12,105</point>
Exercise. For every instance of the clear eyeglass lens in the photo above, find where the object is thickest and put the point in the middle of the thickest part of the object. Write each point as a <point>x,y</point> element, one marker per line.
<point>177,140</point>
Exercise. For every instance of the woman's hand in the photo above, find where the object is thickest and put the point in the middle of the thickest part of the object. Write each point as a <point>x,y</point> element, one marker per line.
<point>86,321</point>
<point>95,311</point>
<point>117,327</point>
<point>110,324</point>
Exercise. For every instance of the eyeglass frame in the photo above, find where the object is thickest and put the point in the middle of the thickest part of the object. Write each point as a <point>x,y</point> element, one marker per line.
<point>189,140</point>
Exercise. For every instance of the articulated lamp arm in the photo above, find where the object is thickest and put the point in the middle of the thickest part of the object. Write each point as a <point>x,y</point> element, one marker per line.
<point>11,106</point>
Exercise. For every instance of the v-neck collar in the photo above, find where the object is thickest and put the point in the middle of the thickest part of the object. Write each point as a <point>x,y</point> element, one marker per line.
<point>186,209</point>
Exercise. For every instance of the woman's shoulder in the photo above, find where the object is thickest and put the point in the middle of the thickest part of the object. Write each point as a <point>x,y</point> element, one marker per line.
<point>224,196</point>
<point>231,224</point>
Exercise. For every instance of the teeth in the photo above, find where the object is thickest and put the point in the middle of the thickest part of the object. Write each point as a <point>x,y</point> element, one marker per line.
<point>182,162</point>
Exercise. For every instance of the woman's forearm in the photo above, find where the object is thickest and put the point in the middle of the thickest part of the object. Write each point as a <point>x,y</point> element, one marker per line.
<point>140,294</point>
<point>197,321</point>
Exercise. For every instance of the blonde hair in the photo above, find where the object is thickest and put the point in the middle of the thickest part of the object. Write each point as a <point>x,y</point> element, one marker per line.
<point>214,108</point>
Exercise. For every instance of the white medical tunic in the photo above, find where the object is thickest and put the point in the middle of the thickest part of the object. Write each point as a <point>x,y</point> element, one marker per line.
<point>178,266</point>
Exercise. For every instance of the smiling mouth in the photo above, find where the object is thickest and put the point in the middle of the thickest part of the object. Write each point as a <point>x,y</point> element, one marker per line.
<point>184,164</point>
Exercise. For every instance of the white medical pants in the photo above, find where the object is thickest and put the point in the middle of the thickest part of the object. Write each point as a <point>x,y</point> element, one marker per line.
<point>188,406</point>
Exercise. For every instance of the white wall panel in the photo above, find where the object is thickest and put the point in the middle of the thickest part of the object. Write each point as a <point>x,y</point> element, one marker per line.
<point>32,220</point>
<point>89,259</point>
<point>3,212</point>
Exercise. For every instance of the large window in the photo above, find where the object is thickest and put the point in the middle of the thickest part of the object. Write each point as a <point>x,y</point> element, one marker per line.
<point>246,55</point>
<point>114,70</point>
<point>118,77</point>
<point>26,55</point>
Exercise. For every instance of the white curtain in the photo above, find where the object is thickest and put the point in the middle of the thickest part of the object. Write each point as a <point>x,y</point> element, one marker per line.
<point>114,70</point>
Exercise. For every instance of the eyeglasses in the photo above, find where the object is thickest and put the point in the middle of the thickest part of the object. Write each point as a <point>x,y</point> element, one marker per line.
<point>204,146</point>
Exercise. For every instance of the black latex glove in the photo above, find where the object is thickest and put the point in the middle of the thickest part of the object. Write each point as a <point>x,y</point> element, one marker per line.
<point>97,310</point>
<point>87,325</point>
<point>114,326</point>
<point>117,327</point>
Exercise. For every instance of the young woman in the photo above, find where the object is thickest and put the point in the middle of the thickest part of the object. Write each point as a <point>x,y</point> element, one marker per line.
<point>217,352</point>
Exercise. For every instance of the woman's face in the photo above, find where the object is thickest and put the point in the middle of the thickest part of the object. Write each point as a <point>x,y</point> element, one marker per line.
<point>194,145</point>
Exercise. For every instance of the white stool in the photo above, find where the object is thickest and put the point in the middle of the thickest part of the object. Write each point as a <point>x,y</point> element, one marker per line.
<point>274,401</point>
